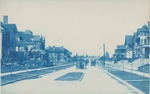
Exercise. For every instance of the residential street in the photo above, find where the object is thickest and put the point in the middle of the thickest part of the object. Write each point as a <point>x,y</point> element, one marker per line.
<point>93,81</point>
<point>75,47</point>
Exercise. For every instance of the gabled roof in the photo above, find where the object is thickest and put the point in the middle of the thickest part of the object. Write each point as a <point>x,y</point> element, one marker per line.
<point>143,29</point>
<point>37,38</point>
<point>24,37</point>
<point>28,32</point>
<point>129,40</point>
<point>10,27</point>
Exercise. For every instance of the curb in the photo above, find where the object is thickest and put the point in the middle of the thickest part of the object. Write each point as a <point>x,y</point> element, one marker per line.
<point>125,83</point>
<point>13,81</point>
<point>81,77</point>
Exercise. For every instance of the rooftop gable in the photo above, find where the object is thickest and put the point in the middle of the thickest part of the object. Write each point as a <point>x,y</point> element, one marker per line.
<point>25,37</point>
<point>28,32</point>
<point>37,38</point>
<point>143,29</point>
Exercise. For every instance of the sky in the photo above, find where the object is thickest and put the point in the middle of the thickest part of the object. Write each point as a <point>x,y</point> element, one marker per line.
<point>81,26</point>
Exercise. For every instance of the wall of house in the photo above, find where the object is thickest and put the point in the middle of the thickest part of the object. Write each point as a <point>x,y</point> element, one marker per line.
<point>129,54</point>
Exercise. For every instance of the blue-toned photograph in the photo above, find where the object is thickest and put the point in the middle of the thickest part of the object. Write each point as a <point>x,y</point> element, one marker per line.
<point>75,46</point>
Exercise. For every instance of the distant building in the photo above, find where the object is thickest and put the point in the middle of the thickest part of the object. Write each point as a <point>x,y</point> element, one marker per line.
<point>58,55</point>
<point>120,52</point>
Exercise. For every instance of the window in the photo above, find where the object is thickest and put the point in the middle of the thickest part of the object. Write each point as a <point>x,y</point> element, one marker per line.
<point>145,41</point>
<point>141,42</point>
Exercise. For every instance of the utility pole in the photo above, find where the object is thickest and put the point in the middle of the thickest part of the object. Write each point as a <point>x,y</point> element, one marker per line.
<point>104,53</point>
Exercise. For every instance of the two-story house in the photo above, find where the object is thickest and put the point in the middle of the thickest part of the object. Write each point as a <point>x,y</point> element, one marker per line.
<point>141,42</point>
<point>129,46</point>
<point>9,32</point>
<point>120,52</point>
<point>30,44</point>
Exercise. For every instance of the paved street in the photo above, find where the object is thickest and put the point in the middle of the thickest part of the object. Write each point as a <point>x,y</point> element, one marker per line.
<point>94,81</point>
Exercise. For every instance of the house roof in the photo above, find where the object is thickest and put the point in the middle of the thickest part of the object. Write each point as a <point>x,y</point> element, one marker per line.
<point>37,38</point>
<point>129,40</point>
<point>24,37</point>
<point>121,47</point>
<point>143,29</point>
<point>28,32</point>
<point>57,50</point>
<point>27,38</point>
<point>10,27</point>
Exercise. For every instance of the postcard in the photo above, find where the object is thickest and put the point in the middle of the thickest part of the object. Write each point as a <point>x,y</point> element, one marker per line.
<point>75,46</point>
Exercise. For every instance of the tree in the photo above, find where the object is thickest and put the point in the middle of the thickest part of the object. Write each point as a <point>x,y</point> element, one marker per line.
<point>21,58</point>
<point>45,57</point>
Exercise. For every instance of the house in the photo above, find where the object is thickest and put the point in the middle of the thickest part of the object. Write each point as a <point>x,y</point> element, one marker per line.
<point>31,45</point>
<point>18,46</point>
<point>120,52</point>
<point>58,55</point>
<point>29,40</point>
<point>129,46</point>
<point>39,42</point>
<point>23,41</point>
<point>9,32</point>
<point>142,42</point>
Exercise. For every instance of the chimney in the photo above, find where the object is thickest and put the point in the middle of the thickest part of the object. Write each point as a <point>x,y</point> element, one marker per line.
<point>5,19</point>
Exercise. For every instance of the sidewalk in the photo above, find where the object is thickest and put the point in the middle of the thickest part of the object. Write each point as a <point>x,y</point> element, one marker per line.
<point>28,70</point>
<point>131,71</point>
<point>138,81</point>
<point>94,81</point>
<point>22,75</point>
